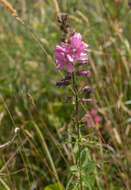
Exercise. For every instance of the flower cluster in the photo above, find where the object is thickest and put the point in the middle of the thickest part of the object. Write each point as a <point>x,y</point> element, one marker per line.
<point>72,53</point>
<point>91,117</point>
<point>64,25</point>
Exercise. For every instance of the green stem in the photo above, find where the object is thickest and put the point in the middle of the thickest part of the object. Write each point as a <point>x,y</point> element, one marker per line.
<point>76,121</point>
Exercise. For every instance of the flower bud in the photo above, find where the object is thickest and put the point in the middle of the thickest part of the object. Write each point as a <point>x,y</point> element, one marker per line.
<point>62,83</point>
<point>59,19</point>
<point>86,89</point>
<point>64,16</point>
<point>85,100</point>
<point>82,72</point>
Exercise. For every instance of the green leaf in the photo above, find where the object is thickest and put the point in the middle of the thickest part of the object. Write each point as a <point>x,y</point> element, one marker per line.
<point>55,186</point>
<point>85,157</point>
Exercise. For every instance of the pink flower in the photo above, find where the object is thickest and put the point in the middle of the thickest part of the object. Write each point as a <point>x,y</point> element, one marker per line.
<point>97,118</point>
<point>83,72</point>
<point>62,58</point>
<point>117,1</point>
<point>91,122</point>
<point>91,118</point>
<point>85,118</point>
<point>93,111</point>
<point>68,53</point>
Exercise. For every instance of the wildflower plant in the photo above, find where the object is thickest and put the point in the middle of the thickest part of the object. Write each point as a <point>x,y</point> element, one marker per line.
<point>70,57</point>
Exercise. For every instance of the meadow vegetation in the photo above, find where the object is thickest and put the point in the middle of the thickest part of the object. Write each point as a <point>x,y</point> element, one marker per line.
<point>43,154</point>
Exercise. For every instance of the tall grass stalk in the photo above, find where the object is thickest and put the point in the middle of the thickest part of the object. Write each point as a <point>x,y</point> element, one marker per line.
<point>47,151</point>
<point>4,184</point>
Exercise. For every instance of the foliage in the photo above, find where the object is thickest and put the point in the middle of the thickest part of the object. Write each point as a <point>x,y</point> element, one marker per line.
<point>43,152</point>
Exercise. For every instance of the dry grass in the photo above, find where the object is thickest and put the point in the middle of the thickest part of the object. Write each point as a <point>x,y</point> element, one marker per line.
<point>42,153</point>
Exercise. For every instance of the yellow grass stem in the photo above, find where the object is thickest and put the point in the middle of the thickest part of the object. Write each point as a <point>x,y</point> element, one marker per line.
<point>12,10</point>
<point>56,7</point>
<point>4,184</point>
<point>46,150</point>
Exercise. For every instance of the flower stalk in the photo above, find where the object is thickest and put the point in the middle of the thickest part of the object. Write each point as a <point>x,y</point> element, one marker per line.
<point>77,126</point>
<point>70,56</point>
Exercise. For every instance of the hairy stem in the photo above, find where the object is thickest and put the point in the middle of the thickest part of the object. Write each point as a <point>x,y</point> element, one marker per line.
<point>77,126</point>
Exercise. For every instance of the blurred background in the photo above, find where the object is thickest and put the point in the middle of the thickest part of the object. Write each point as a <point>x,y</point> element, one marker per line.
<point>30,100</point>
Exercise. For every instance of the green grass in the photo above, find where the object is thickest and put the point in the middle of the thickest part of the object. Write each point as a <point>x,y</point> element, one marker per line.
<point>41,155</point>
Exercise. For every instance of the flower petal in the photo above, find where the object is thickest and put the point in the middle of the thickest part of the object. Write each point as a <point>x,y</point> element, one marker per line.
<point>70,68</point>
